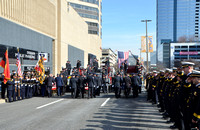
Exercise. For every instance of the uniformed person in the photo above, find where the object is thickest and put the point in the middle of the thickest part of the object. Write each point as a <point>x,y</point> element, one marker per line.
<point>159,87</point>
<point>14,87</point>
<point>73,85</point>
<point>185,90</point>
<point>127,81</point>
<point>117,85</point>
<point>193,104</point>
<point>10,84</point>
<point>90,81</point>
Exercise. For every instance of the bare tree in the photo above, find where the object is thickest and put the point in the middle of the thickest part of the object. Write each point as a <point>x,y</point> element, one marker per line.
<point>182,39</point>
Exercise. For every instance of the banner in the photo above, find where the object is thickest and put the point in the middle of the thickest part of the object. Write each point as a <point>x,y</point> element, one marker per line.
<point>143,43</point>
<point>150,44</point>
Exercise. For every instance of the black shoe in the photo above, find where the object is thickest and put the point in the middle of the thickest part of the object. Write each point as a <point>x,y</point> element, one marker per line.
<point>173,127</point>
<point>169,121</point>
<point>161,110</point>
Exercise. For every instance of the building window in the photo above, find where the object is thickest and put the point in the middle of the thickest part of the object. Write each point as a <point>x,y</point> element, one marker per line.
<point>92,32</point>
<point>91,1</point>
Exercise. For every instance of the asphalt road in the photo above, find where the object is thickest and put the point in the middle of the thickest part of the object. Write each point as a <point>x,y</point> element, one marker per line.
<point>104,112</point>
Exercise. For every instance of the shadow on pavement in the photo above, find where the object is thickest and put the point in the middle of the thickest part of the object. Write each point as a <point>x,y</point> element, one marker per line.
<point>127,114</point>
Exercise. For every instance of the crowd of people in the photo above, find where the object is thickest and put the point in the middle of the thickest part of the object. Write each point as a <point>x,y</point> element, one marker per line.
<point>177,93</point>
<point>80,82</point>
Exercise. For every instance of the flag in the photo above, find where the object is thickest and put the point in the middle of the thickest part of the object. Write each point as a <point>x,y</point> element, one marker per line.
<point>122,56</point>
<point>5,64</point>
<point>39,67</point>
<point>18,63</point>
<point>42,70</point>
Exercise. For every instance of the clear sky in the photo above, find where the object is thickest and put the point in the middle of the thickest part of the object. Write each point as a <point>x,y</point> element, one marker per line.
<point>122,26</point>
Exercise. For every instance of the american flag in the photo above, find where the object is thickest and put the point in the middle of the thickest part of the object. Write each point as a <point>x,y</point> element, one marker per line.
<point>18,65</point>
<point>122,56</point>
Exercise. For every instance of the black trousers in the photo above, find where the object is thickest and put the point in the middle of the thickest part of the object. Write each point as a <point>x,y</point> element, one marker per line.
<point>3,90</point>
<point>117,92</point>
<point>49,90</point>
<point>74,92</point>
<point>90,92</point>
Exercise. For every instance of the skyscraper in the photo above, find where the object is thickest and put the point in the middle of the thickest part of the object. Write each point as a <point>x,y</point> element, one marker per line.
<point>91,12</point>
<point>177,21</point>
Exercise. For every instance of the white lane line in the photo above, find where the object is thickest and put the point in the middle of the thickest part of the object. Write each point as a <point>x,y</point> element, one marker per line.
<point>105,102</point>
<point>49,104</point>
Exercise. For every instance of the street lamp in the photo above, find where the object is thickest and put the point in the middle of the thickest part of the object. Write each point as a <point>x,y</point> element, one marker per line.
<point>147,49</point>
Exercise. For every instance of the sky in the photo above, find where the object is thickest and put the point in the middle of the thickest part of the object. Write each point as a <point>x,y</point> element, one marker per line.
<point>122,27</point>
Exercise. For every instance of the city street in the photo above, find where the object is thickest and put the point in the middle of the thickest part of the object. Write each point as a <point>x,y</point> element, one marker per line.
<point>104,112</point>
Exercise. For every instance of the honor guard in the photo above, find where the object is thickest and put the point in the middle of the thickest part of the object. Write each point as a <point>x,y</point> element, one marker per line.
<point>10,84</point>
<point>23,87</point>
<point>159,88</point>
<point>15,87</point>
<point>185,91</point>
<point>193,104</point>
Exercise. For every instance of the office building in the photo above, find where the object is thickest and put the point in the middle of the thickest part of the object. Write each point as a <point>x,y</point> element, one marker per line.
<point>91,12</point>
<point>177,21</point>
<point>184,52</point>
<point>52,27</point>
<point>153,57</point>
<point>111,56</point>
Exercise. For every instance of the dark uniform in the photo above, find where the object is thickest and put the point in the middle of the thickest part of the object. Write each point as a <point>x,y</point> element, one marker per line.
<point>127,89</point>
<point>185,90</point>
<point>117,84</point>
<point>90,81</point>
<point>193,103</point>
<point>10,84</point>
<point>73,84</point>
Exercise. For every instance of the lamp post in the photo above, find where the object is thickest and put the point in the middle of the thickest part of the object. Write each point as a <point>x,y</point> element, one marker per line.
<point>147,47</point>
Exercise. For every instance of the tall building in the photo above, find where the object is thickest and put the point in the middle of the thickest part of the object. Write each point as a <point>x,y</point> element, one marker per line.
<point>111,56</point>
<point>153,57</point>
<point>52,27</point>
<point>91,12</point>
<point>177,21</point>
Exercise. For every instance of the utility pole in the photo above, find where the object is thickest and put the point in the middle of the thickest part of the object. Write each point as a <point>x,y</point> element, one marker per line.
<point>147,46</point>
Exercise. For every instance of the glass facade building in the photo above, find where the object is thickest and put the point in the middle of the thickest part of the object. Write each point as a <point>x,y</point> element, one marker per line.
<point>177,21</point>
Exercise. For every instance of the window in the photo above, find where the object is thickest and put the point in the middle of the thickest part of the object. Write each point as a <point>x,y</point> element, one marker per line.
<point>184,46</point>
<point>91,1</point>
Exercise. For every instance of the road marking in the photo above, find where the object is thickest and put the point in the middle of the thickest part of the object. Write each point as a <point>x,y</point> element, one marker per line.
<point>105,102</point>
<point>49,103</point>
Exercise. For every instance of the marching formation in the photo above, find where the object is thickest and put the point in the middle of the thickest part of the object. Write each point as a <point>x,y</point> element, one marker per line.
<point>178,93</point>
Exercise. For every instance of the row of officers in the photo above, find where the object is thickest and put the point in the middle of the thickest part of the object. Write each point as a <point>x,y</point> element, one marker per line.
<point>177,93</point>
<point>80,86</point>
<point>21,88</point>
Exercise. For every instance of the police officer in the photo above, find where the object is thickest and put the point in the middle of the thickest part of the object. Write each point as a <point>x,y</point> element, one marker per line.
<point>73,85</point>
<point>135,84</point>
<point>99,84</point>
<point>10,84</point>
<point>193,103</point>
<point>127,81</point>
<point>82,84</point>
<point>185,90</point>
<point>117,85</point>
<point>90,81</point>
<point>95,85</point>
